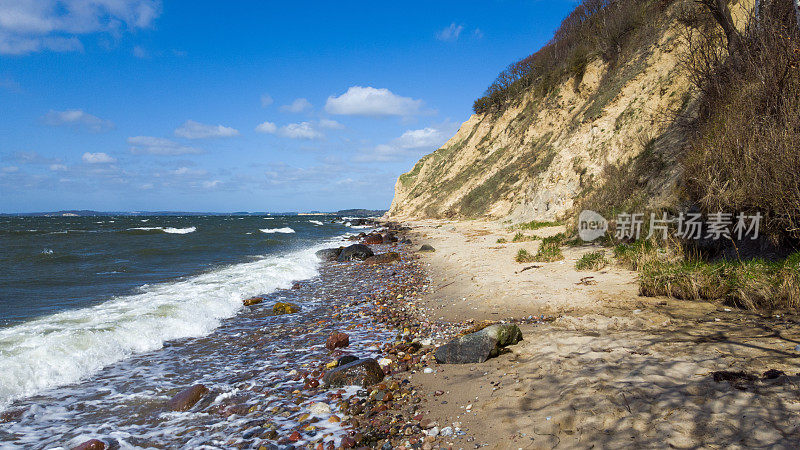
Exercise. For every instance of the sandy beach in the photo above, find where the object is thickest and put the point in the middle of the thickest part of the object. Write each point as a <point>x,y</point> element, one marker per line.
<point>611,369</point>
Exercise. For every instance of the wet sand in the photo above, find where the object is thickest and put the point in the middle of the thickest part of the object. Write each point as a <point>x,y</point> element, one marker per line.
<point>612,369</point>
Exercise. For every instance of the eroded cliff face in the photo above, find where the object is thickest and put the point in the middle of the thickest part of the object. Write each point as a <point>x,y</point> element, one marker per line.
<point>540,156</point>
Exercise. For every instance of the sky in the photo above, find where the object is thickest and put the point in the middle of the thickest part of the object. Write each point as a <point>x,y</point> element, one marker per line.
<point>151,105</point>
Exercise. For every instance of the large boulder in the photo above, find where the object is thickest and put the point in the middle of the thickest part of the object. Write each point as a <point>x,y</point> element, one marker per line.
<point>358,252</point>
<point>329,254</point>
<point>362,372</point>
<point>390,238</point>
<point>383,258</point>
<point>479,346</point>
<point>505,333</point>
<point>187,398</point>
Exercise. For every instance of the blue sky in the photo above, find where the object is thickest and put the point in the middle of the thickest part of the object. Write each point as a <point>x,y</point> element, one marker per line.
<point>241,105</point>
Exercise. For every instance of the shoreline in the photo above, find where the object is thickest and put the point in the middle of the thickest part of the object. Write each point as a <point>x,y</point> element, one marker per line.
<point>611,369</point>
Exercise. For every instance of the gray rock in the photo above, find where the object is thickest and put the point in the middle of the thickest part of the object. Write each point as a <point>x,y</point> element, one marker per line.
<point>358,252</point>
<point>426,248</point>
<point>479,346</point>
<point>186,398</point>
<point>329,254</point>
<point>363,372</point>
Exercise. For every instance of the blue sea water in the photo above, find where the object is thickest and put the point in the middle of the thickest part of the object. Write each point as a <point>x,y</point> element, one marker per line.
<point>80,293</point>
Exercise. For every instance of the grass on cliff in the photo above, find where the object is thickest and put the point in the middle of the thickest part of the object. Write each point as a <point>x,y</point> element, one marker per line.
<point>535,225</point>
<point>520,237</point>
<point>606,29</point>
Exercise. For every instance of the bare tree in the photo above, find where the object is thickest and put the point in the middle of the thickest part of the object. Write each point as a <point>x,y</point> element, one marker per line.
<point>797,12</point>
<point>722,14</point>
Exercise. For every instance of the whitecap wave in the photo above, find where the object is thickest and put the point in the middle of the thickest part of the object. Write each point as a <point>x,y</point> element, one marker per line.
<point>276,230</point>
<point>65,347</point>
<point>186,230</point>
<point>316,222</point>
<point>169,230</point>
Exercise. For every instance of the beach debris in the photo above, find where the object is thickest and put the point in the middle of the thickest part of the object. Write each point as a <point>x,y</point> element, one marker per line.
<point>362,372</point>
<point>479,346</point>
<point>529,268</point>
<point>426,248</point>
<point>91,444</point>
<point>187,398</point>
<point>284,308</point>
<point>355,252</point>
<point>737,379</point>
<point>252,301</point>
<point>383,258</point>
<point>329,254</point>
<point>336,340</point>
<point>587,281</point>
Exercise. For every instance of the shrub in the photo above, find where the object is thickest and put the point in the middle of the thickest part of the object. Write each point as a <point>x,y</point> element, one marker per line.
<point>592,261</point>
<point>743,146</point>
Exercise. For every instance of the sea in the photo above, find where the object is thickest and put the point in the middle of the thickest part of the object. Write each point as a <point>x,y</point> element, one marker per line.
<point>103,318</point>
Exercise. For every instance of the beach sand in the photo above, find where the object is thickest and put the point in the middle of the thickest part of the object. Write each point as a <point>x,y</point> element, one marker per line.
<point>611,369</point>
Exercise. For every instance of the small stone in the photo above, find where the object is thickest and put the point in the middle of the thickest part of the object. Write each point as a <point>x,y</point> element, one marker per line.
<point>319,409</point>
<point>187,398</point>
<point>426,248</point>
<point>284,308</point>
<point>433,432</point>
<point>91,444</point>
<point>427,370</point>
<point>337,340</point>
<point>446,431</point>
<point>252,301</point>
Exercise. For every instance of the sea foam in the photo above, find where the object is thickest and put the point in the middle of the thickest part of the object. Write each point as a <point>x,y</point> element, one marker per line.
<point>65,347</point>
<point>276,230</point>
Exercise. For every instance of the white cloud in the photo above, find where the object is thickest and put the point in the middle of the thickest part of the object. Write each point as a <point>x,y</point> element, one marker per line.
<point>266,100</point>
<point>211,184</point>
<point>97,158</point>
<point>159,146</point>
<point>267,127</point>
<point>330,124</point>
<point>450,33</point>
<point>10,169</point>
<point>302,130</point>
<point>58,167</point>
<point>477,34</point>
<point>410,144</point>
<point>28,26</point>
<point>297,106</point>
<point>196,130</point>
<point>189,172</point>
<point>369,101</point>
<point>77,118</point>
<point>140,52</point>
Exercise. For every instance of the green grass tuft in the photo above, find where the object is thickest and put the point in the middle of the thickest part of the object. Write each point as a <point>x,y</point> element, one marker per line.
<point>592,261</point>
<point>535,225</point>
<point>524,257</point>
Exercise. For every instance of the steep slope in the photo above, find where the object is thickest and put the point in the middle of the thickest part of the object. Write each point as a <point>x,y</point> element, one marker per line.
<point>541,155</point>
